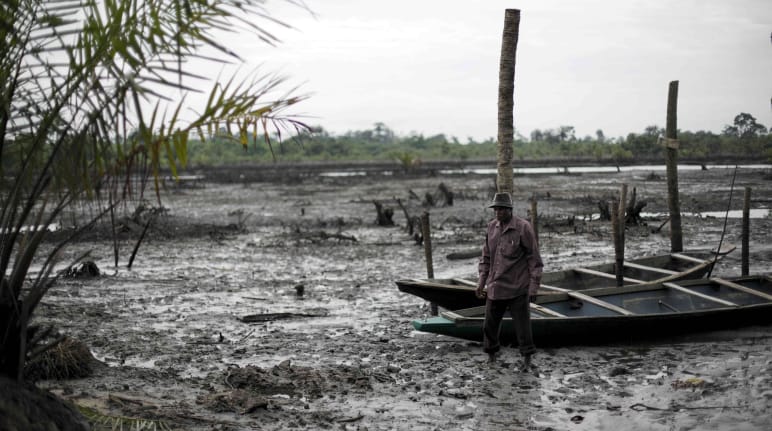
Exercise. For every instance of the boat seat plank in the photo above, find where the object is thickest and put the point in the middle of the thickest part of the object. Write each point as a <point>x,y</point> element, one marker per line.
<point>438,285</point>
<point>741,288</point>
<point>701,295</point>
<point>600,303</point>
<point>687,258</point>
<point>606,275</point>
<point>459,315</point>
<point>464,315</point>
<point>649,268</point>
<point>545,310</point>
<point>465,282</point>
<point>555,288</point>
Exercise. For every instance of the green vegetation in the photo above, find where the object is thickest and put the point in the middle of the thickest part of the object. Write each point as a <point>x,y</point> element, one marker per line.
<point>86,89</point>
<point>745,137</point>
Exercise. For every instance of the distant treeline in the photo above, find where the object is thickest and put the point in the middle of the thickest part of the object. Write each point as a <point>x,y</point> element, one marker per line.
<point>745,137</point>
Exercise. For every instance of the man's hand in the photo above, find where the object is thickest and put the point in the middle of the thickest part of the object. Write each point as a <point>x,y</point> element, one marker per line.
<point>480,292</point>
<point>532,297</point>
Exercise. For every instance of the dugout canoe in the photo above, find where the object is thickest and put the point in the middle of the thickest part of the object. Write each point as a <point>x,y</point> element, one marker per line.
<point>457,293</point>
<point>626,314</point>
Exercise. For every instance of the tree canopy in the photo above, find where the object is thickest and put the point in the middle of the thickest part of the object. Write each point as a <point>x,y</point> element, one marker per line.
<point>381,143</point>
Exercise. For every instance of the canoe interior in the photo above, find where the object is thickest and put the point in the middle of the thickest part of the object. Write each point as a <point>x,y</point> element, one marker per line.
<point>588,323</point>
<point>575,280</point>
<point>458,293</point>
<point>645,300</point>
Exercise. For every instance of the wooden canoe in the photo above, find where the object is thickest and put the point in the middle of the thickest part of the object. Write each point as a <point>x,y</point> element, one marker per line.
<point>628,313</point>
<point>457,293</point>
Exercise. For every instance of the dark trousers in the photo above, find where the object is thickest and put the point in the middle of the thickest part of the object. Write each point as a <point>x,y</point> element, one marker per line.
<point>521,319</point>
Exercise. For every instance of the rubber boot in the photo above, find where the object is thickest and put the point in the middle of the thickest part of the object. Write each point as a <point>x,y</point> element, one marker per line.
<point>526,365</point>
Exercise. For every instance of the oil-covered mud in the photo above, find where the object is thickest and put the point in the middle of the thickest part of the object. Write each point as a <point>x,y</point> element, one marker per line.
<point>273,306</point>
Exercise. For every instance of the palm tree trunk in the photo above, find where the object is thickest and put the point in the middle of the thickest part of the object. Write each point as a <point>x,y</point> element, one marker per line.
<point>671,155</point>
<point>505,181</point>
<point>9,336</point>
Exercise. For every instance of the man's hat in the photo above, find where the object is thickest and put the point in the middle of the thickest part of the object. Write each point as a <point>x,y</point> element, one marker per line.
<point>501,200</point>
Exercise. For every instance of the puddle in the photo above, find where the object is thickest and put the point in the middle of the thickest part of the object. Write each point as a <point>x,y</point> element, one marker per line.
<point>754,213</point>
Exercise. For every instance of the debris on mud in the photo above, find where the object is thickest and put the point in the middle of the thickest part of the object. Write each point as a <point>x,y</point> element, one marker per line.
<point>171,329</point>
<point>250,388</point>
<point>269,317</point>
<point>68,359</point>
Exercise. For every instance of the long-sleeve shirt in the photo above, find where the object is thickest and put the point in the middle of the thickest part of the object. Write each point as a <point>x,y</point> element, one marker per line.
<point>510,264</point>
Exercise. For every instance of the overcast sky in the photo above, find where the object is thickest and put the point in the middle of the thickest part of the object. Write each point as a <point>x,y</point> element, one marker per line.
<point>431,66</point>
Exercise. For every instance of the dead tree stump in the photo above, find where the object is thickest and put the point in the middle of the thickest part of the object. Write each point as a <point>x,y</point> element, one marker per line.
<point>605,212</point>
<point>633,210</point>
<point>418,235</point>
<point>429,200</point>
<point>414,227</point>
<point>447,194</point>
<point>634,214</point>
<point>385,216</point>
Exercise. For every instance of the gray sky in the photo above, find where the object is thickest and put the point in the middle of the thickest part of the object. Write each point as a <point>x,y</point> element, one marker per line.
<point>431,66</point>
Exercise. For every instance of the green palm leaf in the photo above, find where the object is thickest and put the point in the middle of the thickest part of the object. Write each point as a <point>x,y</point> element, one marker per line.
<point>93,92</point>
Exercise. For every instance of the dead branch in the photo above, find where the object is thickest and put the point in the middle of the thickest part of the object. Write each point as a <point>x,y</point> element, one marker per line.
<point>467,254</point>
<point>269,317</point>
<point>408,220</point>
<point>322,235</point>
<point>661,225</point>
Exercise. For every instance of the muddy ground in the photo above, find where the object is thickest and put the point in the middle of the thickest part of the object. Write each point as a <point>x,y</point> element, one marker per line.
<point>174,351</point>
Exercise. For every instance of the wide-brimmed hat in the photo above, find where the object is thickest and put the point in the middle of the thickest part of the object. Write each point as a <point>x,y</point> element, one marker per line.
<point>501,200</point>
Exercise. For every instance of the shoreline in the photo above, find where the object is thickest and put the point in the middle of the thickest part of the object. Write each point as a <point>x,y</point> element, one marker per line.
<point>294,171</point>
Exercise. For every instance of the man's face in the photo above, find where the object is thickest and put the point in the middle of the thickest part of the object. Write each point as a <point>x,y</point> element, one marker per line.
<point>503,214</point>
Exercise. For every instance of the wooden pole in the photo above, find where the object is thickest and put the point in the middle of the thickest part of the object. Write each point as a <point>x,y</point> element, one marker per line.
<point>535,219</point>
<point>506,103</point>
<point>745,267</point>
<point>426,232</point>
<point>671,156</point>
<point>619,248</point>
<point>622,218</point>
<point>112,228</point>
<point>618,227</point>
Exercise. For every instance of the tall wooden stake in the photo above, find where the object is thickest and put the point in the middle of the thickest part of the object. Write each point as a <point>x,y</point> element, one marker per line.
<point>671,155</point>
<point>744,266</point>
<point>112,228</point>
<point>506,132</point>
<point>618,247</point>
<point>535,219</point>
<point>622,218</point>
<point>618,227</point>
<point>426,232</point>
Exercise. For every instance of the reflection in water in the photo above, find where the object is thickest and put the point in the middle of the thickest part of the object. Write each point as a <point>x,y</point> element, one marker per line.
<point>756,213</point>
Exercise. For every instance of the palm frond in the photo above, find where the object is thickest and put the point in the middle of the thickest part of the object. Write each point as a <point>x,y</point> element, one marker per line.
<point>87,99</point>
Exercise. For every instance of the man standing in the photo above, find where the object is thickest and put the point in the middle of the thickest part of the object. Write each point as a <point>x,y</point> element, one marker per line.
<point>510,273</point>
